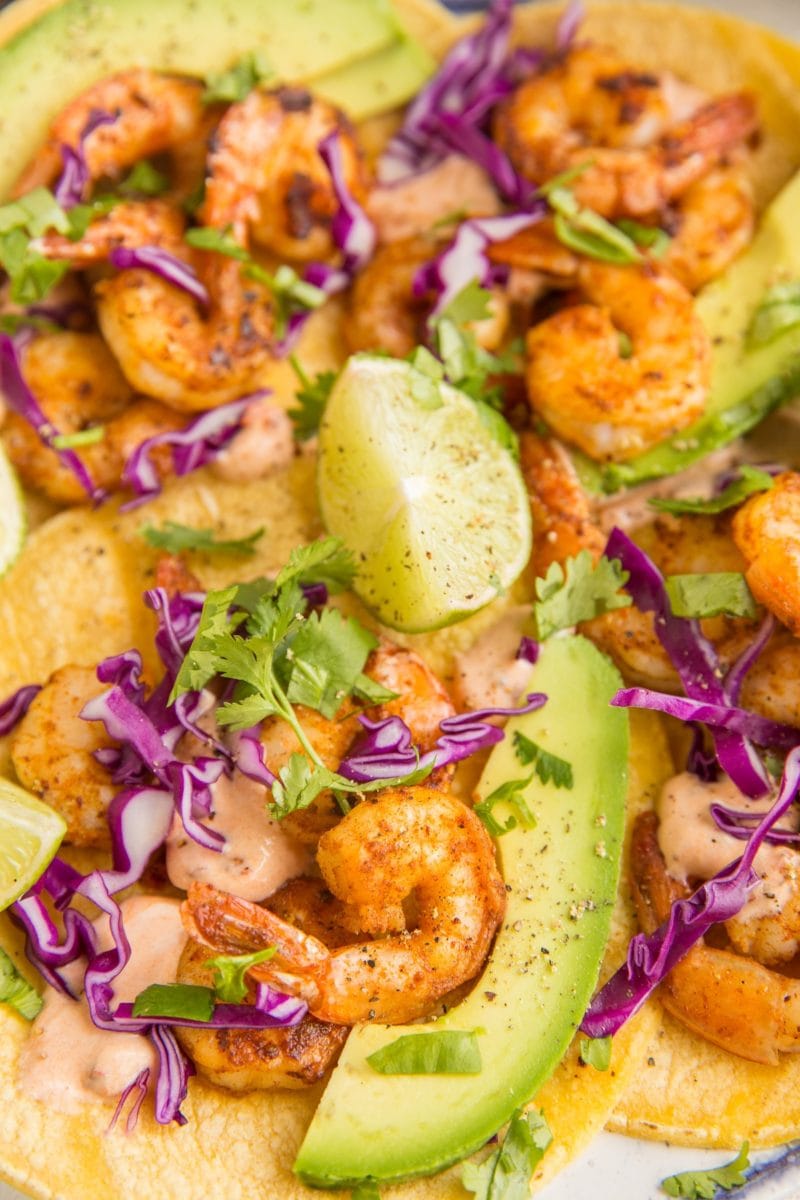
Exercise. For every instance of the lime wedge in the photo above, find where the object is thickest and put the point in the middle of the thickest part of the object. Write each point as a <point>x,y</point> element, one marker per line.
<point>30,834</point>
<point>13,522</point>
<point>434,509</point>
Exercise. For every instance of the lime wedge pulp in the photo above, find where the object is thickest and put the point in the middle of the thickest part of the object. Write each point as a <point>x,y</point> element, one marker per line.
<point>433,507</point>
<point>30,834</point>
<point>13,521</point>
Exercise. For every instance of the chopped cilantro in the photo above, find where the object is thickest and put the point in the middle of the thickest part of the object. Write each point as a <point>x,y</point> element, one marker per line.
<point>512,793</point>
<point>261,637</point>
<point>585,231</point>
<point>16,991</point>
<point>506,1174</point>
<point>750,480</point>
<point>576,592</point>
<point>81,215</point>
<point>710,595</point>
<point>778,311</point>
<point>470,304</point>
<point>144,180</point>
<point>548,767</point>
<point>311,397</point>
<point>370,692</point>
<point>235,84</point>
<point>443,1052</point>
<point>703,1185</point>
<point>31,274</point>
<point>81,437</point>
<point>649,237</point>
<point>229,972</point>
<point>185,1000</point>
<point>175,538</point>
<point>219,241</point>
<point>596,1052</point>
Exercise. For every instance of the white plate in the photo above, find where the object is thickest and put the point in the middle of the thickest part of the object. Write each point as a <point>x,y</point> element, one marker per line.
<point>614,1167</point>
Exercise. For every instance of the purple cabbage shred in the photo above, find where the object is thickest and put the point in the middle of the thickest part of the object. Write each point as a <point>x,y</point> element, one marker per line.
<point>14,708</point>
<point>73,183</point>
<point>160,262</point>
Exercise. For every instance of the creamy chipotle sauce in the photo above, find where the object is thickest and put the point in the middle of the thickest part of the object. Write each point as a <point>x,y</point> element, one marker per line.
<point>489,674</point>
<point>257,856</point>
<point>67,1061</point>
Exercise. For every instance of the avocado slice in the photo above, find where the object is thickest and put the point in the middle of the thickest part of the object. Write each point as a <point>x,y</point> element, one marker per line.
<point>70,47</point>
<point>561,879</point>
<point>746,384</point>
<point>379,83</point>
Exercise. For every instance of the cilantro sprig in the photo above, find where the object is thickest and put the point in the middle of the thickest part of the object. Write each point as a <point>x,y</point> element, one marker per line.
<point>506,1174</point>
<point>311,397</point>
<point>549,768</point>
<point>703,1185</point>
<point>748,482</point>
<point>229,972</point>
<point>261,637</point>
<point>174,537</point>
<point>577,591</point>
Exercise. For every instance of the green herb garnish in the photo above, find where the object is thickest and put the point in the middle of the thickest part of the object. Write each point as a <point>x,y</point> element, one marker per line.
<point>81,437</point>
<point>750,481</point>
<point>702,1185</point>
<point>596,1052</point>
<point>311,397</point>
<point>778,312</point>
<point>229,973</point>
<point>144,180</point>
<point>548,767</point>
<point>506,1174</point>
<point>724,592</point>
<point>577,591</point>
<point>185,1000</point>
<point>511,793</point>
<point>235,84</point>
<point>175,538</point>
<point>445,1052</point>
<point>16,991</point>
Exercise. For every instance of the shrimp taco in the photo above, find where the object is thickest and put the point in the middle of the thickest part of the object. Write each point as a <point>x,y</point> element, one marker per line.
<point>288,369</point>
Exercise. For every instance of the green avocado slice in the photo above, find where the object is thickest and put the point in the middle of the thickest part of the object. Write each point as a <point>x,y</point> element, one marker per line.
<point>379,83</point>
<point>746,383</point>
<point>70,47</point>
<point>561,879</point>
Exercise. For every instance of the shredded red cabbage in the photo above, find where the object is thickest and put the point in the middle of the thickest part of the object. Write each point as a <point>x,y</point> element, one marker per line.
<point>698,761</point>
<point>470,81</point>
<point>21,399</point>
<point>175,1070</point>
<point>528,650</point>
<point>163,264</point>
<point>386,749</point>
<point>248,755</point>
<point>139,1084</point>
<point>71,188</point>
<point>571,20</point>
<point>716,716</point>
<point>14,708</point>
<point>693,657</point>
<point>195,446</point>
<point>652,956</point>
<point>465,260</point>
<point>178,622</point>
<point>735,823</point>
<point>736,674</point>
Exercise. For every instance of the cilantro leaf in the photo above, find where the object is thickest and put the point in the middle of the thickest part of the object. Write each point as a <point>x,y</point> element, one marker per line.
<point>702,1185</point>
<point>239,80</point>
<point>199,664</point>
<point>325,561</point>
<point>16,991</point>
<point>749,481</point>
<point>596,1052</point>
<point>648,237</point>
<point>219,241</point>
<point>710,595</point>
<point>175,537</point>
<point>370,692</point>
<point>299,784</point>
<point>470,304</point>
<point>576,592</point>
<point>512,793</point>
<point>229,973</point>
<point>585,231</point>
<point>144,180</point>
<point>175,1000</point>
<point>549,767</point>
<point>442,1052</point>
<point>325,659</point>
<point>311,397</point>
<point>506,1174</point>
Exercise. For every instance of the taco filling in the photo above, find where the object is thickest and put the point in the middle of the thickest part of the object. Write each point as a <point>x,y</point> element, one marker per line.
<point>380,474</point>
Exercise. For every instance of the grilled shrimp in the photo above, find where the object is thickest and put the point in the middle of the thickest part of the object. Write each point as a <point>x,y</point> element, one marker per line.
<point>52,751</point>
<point>581,382</point>
<point>421,700</point>
<point>154,113</point>
<point>248,1059</point>
<point>78,385</point>
<point>384,314</point>
<point>409,207</point>
<point>710,225</point>
<point>734,1001</point>
<point>641,139</point>
<point>132,223</point>
<point>266,179</point>
<point>410,842</point>
<point>171,349</point>
<point>766,531</point>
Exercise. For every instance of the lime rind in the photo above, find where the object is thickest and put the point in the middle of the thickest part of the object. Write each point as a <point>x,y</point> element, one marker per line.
<point>13,519</point>
<point>30,834</point>
<point>434,509</point>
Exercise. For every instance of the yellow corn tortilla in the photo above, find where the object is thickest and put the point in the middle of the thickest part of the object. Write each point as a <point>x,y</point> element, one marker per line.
<point>74,596</point>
